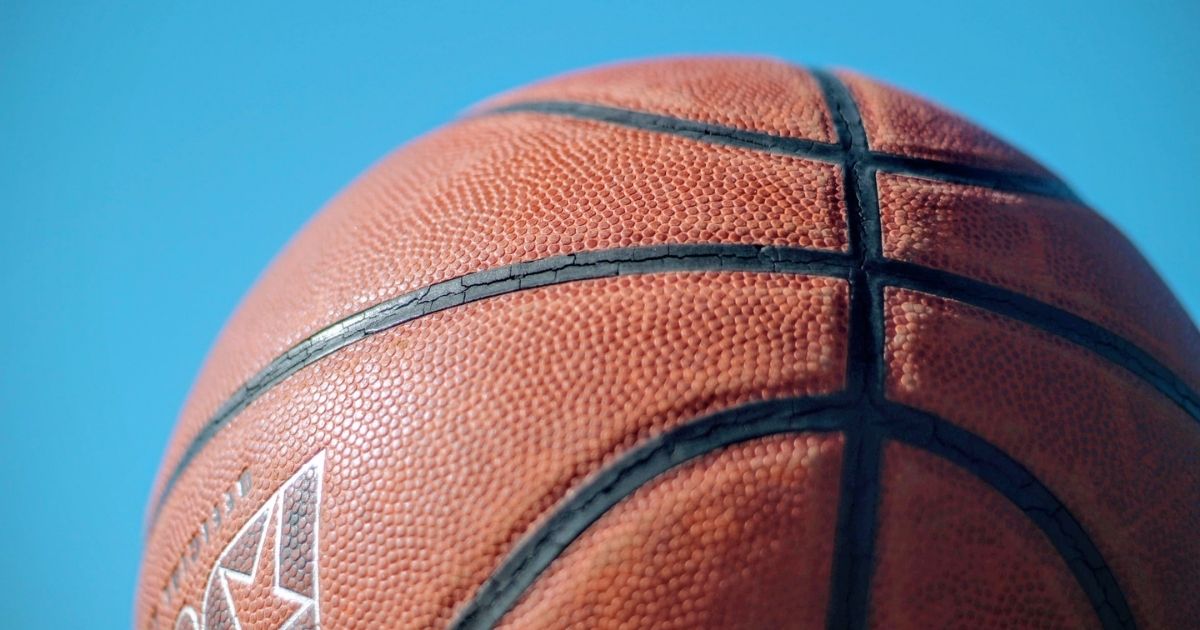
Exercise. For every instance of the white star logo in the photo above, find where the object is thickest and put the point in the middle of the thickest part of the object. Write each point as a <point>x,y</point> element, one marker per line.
<point>266,577</point>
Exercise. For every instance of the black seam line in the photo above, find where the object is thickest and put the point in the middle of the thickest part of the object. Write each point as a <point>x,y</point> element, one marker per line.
<point>694,130</point>
<point>1044,186</point>
<point>658,455</point>
<point>854,538</point>
<point>631,471</point>
<point>1115,349</point>
<point>854,535</point>
<point>494,282</point>
<point>609,263</point>
<point>1004,474</point>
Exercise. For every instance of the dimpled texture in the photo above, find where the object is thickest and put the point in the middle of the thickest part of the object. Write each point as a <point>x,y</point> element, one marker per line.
<point>968,556</point>
<point>297,521</point>
<point>740,538</point>
<point>1059,252</point>
<point>242,555</point>
<point>495,191</point>
<point>1120,456</point>
<point>256,606</point>
<point>901,123</point>
<point>751,94</point>
<point>449,438</point>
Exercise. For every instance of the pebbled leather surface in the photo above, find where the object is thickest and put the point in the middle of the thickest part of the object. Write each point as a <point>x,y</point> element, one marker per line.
<point>748,93</point>
<point>1118,455</point>
<point>742,538</point>
<point>902,123</point>
<point>1059,252</point>
<point>952,553</point>
<point>493,191</point>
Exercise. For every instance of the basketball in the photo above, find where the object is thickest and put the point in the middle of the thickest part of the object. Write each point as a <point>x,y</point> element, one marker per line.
<point>714,342</point>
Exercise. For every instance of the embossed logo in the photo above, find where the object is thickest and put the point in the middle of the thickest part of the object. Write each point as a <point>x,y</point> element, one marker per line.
<point>268,575</point>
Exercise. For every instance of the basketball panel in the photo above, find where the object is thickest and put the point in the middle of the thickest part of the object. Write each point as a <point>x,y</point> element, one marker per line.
<point>491,192</point>
<point>1119,455</point>
<point>746,93</point>
<point>739,538</point>
<point>953,553</point>
<point>902,123</point>
<point>447,439</point>
<point>1058,252</point>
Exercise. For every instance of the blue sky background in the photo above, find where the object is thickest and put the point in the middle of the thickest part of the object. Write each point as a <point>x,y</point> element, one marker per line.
<point>153,158</point>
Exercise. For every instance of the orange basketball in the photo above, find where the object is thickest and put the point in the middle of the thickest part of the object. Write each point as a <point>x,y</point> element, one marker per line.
<point>715,342</point>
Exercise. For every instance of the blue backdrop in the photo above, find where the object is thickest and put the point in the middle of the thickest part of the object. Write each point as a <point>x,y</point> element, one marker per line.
<point>154,158</point>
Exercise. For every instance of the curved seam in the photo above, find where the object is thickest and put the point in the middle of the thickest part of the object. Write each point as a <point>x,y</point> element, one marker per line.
<point>1022,488</point>
<point>683,127</point>
<point>952,172</point>
<point>654,259</point>
<point>661,454</point>
<point>632,471</point>
<point>1113,348</point>
<point>495,282</point>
